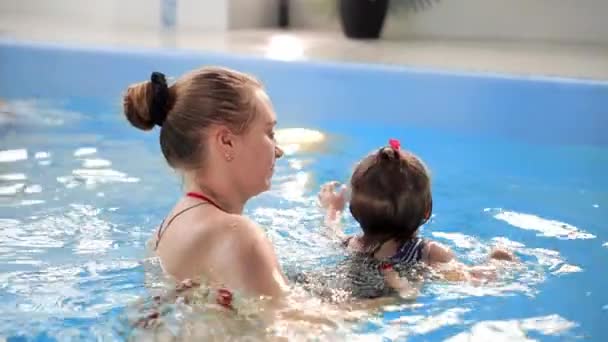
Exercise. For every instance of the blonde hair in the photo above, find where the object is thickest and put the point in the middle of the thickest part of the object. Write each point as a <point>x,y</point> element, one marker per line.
<point>186,109</point>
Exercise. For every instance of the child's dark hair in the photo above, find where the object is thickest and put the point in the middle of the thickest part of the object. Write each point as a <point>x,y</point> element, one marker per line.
<point>391,195</point>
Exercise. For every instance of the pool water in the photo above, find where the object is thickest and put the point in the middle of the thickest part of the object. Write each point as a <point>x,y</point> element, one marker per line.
<point>81,192</point>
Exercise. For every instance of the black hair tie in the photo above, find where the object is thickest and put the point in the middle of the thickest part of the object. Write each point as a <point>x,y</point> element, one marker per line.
<point>160,97</point>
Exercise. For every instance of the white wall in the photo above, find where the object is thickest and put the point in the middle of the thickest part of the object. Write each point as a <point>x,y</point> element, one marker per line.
<point>208,15</point>
<point>115,14</point>
<point>252,13</point>
<point>571,21</point>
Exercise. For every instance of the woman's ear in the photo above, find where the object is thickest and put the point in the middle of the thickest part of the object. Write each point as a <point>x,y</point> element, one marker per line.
<point>225,141</point>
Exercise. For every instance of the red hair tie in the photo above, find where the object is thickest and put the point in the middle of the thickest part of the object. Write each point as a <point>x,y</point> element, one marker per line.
<point>394,144</point>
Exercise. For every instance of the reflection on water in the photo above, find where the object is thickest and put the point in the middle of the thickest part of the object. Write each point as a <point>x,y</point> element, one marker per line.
<point>515,330</point>
<point>11,190</point>
<point>75,219</point>
<point>35,113</point>
<point>294,187</point>
<point>85,151</point>
<point>13,177</point>
<point>42,155</point>
<point>420,325</point>
<point>549,228</point>
<point>9,156</point>
<point>96,163</point>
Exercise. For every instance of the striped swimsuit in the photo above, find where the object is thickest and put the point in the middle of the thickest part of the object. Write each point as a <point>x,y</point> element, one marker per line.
<point>363,271</point>
<point>359,275</point>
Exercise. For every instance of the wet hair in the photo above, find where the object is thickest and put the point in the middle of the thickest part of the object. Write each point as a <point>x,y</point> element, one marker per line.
<point>391,195</point>
<point>186,109</point>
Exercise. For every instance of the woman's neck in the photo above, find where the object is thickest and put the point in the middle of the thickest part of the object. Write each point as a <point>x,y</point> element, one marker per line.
<point>217,189</point>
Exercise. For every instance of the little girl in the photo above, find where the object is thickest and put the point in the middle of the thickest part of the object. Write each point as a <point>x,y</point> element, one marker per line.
<point>391,199</point>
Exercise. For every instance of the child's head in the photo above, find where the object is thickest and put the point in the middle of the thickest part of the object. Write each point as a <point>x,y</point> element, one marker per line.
<point>391,194</point>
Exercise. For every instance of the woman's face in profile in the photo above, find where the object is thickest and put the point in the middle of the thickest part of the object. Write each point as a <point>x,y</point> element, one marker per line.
<point>257,151</point>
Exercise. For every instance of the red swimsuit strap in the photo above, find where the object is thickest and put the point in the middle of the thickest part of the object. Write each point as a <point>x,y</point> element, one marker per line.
<point>201,196</point>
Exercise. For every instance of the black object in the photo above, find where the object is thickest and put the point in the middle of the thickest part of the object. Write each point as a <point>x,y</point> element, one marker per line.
<point>160,97</point>
<point>283,13</point>
<point>362,19</point>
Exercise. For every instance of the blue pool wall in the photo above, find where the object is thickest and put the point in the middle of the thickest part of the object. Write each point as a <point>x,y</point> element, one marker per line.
<point>531,108</point>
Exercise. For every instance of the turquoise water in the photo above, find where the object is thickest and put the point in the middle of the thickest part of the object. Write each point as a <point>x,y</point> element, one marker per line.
<point>81,192</point>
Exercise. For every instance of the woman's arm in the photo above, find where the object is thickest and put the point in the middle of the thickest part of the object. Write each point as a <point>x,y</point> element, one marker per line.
<point>258,269</point>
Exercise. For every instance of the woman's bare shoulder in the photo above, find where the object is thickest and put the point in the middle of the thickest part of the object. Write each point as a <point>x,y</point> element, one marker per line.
<point>232,229</point>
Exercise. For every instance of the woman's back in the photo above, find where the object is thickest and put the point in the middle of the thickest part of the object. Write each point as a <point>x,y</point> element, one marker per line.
<point>219,248</point>
<point>185,240</point>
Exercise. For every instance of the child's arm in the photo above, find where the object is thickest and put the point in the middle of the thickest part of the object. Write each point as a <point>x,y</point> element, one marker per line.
<point>333,201</point>
<point>442,259</point>
<point>400,284</point>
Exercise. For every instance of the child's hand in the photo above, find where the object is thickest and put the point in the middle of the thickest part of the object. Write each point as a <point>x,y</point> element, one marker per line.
<point>332,197</point>
<point>400,284</point>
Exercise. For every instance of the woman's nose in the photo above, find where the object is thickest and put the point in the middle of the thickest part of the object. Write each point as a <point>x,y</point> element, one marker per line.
<point>278,152</point>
